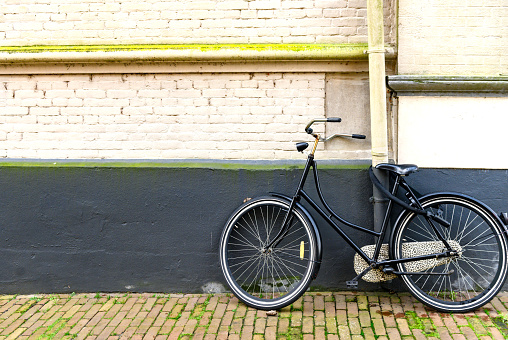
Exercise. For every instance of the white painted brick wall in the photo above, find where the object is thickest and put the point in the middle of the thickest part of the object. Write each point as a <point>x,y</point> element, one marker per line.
<point>453,37</point>
<point>161,116</point>
<point>66,22</point>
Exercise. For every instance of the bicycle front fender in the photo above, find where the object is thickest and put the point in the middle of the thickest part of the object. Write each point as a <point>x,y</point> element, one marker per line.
<point>314,226</point>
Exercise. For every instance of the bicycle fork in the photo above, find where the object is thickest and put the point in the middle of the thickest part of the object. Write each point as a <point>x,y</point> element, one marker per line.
<point>296,198</point>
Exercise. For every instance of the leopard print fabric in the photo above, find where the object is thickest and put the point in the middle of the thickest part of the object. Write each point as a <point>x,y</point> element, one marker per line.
<point>409,249</point>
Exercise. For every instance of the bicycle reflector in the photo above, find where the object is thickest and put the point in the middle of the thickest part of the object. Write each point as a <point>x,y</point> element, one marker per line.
<point>302,250</point>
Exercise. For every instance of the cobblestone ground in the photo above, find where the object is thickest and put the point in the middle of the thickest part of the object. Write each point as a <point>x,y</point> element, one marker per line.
<point>327,315</point>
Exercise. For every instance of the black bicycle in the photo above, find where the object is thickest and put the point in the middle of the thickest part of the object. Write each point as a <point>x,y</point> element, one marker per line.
<point>449,249</point>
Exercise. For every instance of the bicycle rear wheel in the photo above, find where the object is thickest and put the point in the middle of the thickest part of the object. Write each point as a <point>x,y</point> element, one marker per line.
<point>267,278</point>
<point>460,283</point>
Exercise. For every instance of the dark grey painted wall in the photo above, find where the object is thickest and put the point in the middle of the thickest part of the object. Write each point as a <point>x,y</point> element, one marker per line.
<point>140,229</point>
<point>78,229</point>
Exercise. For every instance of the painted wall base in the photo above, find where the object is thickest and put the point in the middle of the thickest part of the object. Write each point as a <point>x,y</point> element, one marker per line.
<point>114,229</point>
<point>76,229</point>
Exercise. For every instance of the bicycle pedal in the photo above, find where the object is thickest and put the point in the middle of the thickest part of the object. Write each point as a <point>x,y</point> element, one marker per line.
<point>353,284</point>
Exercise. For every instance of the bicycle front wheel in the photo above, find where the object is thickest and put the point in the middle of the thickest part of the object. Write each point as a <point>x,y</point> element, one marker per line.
<point>267,278</point>
<point>458,283</point>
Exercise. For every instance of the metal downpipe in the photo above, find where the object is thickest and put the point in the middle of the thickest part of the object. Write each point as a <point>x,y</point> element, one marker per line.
<point>378,115</point>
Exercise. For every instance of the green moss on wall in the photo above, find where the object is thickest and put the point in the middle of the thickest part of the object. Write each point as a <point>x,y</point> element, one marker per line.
<point>179,164</point>
<point>203,48</point>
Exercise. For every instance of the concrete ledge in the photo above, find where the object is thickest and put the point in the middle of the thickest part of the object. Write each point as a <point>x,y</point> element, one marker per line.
<point>190,53</point>
<point>417,85</point>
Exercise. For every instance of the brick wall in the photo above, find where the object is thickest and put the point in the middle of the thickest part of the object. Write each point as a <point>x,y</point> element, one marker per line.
<point>50,22</point>
<point>55,113</point>
<point>158,116</point>
<point>453,37</point>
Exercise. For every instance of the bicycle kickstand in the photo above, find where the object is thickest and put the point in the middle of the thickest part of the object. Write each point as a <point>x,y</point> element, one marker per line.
<point>353,284</point>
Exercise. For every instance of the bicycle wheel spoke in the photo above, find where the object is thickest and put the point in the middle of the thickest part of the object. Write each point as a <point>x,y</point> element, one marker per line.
<point>459,230</point>
<point>282,270</point>
<point>244,242</point>
<point>490,236</point>
<point>272,224</point>
<point>425,237</point>
<point>441,280</point>
<point>424,226</point>
<point>471,277</point>
<point>245,270</point>
<point>255,224</point>
<point>293,273</point>
<point>239,258</point>
<point>466,227</point>
<point>451,287</point>
<point>297,240</point>
<point>487,269</point>
<point>481,259</point>
<point>250,230</point>
<point>267,278</point>
<point>475,267</point>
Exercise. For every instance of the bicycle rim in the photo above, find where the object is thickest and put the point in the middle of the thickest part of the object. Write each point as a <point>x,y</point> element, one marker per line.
<point>460,283</point>
<point>267,278</point>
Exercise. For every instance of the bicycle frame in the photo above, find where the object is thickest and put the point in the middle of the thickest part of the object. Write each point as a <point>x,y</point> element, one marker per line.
<point>329,214</point>
<point>265,272</point>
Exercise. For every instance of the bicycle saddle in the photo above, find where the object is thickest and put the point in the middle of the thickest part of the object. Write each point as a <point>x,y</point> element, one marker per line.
<point>399,169</point>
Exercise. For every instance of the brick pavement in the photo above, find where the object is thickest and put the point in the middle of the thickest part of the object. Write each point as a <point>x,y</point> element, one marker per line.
<point>326,315</point>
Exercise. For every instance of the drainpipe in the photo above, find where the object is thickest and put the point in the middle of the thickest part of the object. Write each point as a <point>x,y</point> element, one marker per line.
<point>378,119</point>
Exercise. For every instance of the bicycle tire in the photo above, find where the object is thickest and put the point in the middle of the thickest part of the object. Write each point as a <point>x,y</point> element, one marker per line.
<point>471,279</point>
<point>272,279</point>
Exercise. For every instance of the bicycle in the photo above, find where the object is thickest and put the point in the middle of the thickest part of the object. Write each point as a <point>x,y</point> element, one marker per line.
<point>449,249</point>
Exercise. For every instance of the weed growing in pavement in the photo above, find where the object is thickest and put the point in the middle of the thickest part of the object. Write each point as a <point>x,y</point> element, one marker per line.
<point>415,322</point>
<point>53,329</point>
<point>54,297</point>
<point>503,317</point>
<point>351,298</point>
<point>123,299</point>
<point>36,298</point>
<point>501,322</point>
<point>25,307</point>
<point>70,296</point>
<point>199,309</point>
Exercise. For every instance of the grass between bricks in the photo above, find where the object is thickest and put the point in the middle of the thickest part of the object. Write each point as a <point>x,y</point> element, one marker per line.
<point>202,308</point>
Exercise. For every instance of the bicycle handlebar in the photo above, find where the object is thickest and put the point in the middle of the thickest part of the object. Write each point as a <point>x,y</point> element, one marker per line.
<point>327,120</point>
<point>331,120</point>
<point>334,120</point>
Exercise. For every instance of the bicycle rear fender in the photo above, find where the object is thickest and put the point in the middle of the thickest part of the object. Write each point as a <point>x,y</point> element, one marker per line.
<point>489,211</point>
<point>314,226</point>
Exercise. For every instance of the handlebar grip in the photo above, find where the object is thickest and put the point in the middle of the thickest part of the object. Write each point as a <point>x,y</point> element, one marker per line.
<point>333,120</point>
<point>358,136</point>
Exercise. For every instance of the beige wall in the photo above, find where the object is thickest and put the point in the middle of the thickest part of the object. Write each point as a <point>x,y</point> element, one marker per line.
<point>453,132</point>
<point>54,22</point>
<point>244,109</point>
<point>453,37</point>
<point>255,115</point>
<point>223,116</point>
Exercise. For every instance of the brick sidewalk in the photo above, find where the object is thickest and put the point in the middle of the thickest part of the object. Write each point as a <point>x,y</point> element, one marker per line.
<point>337,315</point>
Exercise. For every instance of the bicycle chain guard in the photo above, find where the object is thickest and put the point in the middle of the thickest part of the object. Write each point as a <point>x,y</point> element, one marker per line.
<point>409,249</point>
